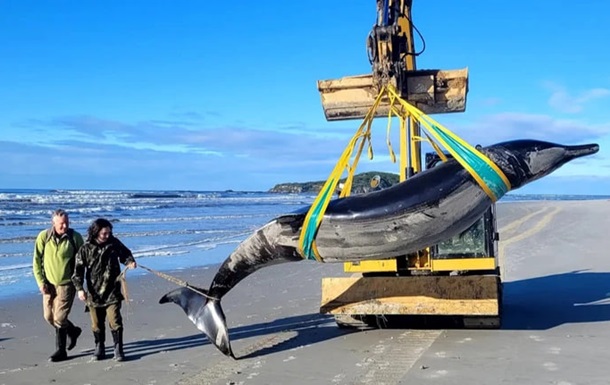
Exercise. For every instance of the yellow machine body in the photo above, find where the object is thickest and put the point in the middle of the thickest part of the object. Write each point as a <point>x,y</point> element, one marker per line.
<point>440,265</point>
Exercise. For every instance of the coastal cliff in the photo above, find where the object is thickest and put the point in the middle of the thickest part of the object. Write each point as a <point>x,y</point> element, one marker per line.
<point>361,184</point>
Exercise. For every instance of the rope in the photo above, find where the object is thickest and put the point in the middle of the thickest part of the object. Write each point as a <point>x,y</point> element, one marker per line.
<point>177,281</point>
<point>123,279</point>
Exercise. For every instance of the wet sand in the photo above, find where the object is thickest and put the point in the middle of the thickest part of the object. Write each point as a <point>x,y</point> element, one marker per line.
<point>556,323</point>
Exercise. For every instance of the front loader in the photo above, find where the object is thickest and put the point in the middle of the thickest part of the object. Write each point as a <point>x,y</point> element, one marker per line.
<point>456,278</point>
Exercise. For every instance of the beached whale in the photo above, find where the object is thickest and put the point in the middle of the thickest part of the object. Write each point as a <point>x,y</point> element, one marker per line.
<point>424,210</point>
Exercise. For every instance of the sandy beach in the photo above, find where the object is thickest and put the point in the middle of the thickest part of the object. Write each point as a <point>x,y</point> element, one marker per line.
<point>556,323</point>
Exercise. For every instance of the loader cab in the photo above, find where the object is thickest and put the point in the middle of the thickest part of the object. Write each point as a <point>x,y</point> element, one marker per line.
<point>479,241</point>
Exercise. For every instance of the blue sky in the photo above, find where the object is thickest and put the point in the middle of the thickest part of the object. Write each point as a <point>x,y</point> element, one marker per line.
<point>210,95</point>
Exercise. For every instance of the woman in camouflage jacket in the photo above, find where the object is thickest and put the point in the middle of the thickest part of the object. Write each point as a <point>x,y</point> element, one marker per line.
<point>97,262</point>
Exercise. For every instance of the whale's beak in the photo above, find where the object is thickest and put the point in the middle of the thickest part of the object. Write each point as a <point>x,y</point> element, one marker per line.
<point>581,150</point>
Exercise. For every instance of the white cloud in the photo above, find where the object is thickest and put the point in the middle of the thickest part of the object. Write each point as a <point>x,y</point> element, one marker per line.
<point>490,129</point>
<point>188,155</point>
<point>568,102</point>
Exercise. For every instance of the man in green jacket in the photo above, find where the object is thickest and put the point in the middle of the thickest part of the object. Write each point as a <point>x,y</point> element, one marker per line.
<point>54,258</point>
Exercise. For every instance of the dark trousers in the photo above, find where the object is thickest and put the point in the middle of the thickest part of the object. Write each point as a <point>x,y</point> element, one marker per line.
<point>99,315</point>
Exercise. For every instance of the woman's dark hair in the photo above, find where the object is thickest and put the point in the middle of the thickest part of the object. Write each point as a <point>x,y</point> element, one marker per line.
<point>96,226</point>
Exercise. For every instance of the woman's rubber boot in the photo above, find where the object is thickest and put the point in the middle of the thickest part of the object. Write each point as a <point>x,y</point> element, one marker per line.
<point>100,349</point>
<point>117,336</point>
<point>60,354</point>
<point>73,334</point>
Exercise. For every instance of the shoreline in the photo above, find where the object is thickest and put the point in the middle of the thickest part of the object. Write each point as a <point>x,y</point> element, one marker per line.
<point>217,255</point>
<point>23,284</point>
<point>133,277</point>
<point>555,329</point>
<point>161,263</point>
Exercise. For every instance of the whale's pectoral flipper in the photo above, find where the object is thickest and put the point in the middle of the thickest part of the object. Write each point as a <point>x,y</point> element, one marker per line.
<point>205,313</point>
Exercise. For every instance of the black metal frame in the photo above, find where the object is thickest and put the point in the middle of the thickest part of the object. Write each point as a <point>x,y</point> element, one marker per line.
<point>488,224</point>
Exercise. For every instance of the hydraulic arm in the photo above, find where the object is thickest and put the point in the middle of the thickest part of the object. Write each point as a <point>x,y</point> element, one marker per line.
<point>392,54</point>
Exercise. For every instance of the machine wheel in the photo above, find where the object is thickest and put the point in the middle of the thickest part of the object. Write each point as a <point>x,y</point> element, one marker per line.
<point>353,321</point>
<point>482,322</point>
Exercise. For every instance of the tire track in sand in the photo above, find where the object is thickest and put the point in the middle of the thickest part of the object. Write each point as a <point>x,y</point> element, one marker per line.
<point>388,361</point>
<point>225,368</point>
<point>393,357</point>
<point>514,225</point>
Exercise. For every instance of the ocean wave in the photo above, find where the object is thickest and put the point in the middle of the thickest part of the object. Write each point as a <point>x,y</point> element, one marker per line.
<point>19,239</point>
<point>8,280</point>
<point>15,200</point>
<point>175,232</point>
<point>155,195</point>
<point>16,255</point>
<point>149,219</point>
<point>20,208</point>
<point>197,218</point>
<point>227,233</point>
<point>21,266</point>
<point>206,244</point>
<point>160,253</point>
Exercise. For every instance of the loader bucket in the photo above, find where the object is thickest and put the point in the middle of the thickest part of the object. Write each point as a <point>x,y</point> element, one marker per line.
<point>432,91</point>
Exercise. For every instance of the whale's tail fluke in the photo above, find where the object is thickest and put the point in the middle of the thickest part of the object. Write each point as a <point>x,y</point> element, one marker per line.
<point>205,313</point>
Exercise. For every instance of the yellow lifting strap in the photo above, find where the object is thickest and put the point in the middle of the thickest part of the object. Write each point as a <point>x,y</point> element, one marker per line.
<point>307,246</point>
<point>485,172</point>
<point>491,179</point>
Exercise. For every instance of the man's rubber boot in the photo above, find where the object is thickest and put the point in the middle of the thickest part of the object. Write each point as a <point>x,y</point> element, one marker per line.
<point>117,337</point>
<point>73,334</point>
<point>60,344</point>
<point>100,349</point>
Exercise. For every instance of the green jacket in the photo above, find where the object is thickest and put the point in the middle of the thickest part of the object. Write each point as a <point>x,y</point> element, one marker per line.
<point>54,259</point>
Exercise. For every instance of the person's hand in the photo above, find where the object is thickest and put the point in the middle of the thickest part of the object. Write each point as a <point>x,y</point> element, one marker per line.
<point>132,265</point>
<point>82,295</point>
<point>44,289</point>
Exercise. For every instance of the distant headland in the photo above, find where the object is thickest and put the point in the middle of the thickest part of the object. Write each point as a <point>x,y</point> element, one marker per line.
<point>363,182</point>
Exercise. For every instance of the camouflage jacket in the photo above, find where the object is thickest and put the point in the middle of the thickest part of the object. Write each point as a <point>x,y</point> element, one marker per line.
<point>99,266</point>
